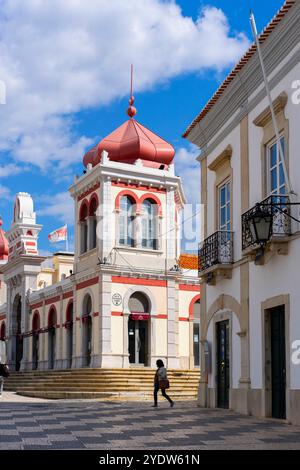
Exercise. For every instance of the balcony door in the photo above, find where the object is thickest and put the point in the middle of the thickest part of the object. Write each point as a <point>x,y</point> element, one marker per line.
<point>276,183</point>
<point>224,217</point>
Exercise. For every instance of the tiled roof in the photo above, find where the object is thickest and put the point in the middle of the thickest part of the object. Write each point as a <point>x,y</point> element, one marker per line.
<point>188,261</point>
<point>244,60</point>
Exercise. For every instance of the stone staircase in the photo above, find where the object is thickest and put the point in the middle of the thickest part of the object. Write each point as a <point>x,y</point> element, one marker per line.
<point>107,384</point>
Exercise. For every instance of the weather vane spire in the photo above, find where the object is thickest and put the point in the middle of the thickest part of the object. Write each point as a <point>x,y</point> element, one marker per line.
<point>131,111</point>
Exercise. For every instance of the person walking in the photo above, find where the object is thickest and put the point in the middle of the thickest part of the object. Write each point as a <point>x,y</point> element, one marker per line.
<point>161,382</point>
<point>4,372</point>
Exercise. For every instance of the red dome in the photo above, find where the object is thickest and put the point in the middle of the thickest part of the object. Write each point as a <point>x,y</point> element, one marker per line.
<point>131,142</point>
<point>3,244</point>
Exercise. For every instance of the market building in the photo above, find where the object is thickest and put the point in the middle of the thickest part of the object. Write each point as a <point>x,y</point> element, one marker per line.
<point>126,297</point>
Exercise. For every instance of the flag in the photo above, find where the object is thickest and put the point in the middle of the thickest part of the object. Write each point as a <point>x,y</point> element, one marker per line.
<point>59,235</point>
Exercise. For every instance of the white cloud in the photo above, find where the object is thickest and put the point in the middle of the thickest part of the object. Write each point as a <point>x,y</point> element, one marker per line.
<point>60,206</point>
<point>188,168</point>
<point>11,170</point>
<point>59,57</point>
<point>4,194</point>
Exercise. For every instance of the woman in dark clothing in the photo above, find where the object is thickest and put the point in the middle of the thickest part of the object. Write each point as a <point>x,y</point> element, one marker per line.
<point>160,379</point>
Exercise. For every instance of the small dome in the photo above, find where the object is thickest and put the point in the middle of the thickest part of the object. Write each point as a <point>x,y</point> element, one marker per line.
<point>130,142</point>
<point>3,244</point>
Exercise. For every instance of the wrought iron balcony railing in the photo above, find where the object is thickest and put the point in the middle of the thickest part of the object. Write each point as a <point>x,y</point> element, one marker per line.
<point>217,249</point>
<point>281,226</point>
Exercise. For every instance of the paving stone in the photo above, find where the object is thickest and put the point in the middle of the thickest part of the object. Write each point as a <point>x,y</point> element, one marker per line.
<point>99,425</point>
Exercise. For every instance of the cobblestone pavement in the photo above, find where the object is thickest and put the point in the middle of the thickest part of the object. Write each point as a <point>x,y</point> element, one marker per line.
<point>40,424</point>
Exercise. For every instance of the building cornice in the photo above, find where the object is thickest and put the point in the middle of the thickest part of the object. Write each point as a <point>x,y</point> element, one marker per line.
<point>278,23</point>
<point>234,103</point>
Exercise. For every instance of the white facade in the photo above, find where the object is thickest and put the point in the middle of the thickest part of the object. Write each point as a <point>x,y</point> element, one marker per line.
<point>251,291</point>
<point>120,305</point>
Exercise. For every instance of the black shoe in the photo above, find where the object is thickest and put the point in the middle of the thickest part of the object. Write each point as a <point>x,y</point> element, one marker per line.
<point>172,404</point>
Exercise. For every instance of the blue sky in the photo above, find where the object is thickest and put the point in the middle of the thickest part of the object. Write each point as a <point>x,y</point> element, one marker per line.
<point>66,66</point>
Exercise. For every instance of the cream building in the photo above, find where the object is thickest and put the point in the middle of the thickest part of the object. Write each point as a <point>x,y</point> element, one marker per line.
<point>126,298</point>
<point>250,323</point>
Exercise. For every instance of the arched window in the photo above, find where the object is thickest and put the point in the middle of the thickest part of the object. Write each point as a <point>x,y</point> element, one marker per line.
<point>52,318</point>
<point>138,303</point>
<point>196,332</point>
<point>83,228</point>
<point>2,332</point>
<point>93,223</point>
<point>87,305</point>
<point>149,225</point>
<point>87,330</point>
<point>36,322</point>
<point>126,221</point>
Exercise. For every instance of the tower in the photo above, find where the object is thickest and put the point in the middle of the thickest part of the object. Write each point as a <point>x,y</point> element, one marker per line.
<point>20,275</point>
<point>127,232</point>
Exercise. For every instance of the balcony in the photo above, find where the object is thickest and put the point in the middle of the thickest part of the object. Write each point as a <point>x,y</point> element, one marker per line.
<point>280,229</point>
<point>216,256</point>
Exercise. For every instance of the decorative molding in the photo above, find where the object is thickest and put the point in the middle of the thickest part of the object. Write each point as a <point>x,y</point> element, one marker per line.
<point>222,159</point>
<point>265,116</point>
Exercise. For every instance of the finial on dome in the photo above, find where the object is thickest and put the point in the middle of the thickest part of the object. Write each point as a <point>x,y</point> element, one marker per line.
<point>131,111</point>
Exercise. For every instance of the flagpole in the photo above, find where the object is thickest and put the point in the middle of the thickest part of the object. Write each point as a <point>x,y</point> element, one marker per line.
<point>267,87</point>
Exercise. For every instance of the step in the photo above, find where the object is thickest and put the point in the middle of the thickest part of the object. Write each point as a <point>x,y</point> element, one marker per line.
<point>104,396</point>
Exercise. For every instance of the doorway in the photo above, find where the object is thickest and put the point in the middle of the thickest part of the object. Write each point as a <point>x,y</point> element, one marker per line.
<point>223,364</point>
<point>17,329</point>
<point>52,321</point>
<point>138,341</point>
<point>196,333</point>
<point>278,362</point>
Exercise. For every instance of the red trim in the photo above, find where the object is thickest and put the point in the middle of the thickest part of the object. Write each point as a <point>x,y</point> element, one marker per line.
<point>69,318</point>
<point>95,314</point>
<point>94,197</point>
<point>140,316</point>
<point>2,317</point>
<point>83,206</point>
<point>3,331</point>
<point>53,300</point>
<point>31,251</point>
<point>67,295</point>
<point>78,318</point>
<point>183,319</point>
<point>154,198</point>
<point>139,188</point>
<point>30,243</point>
<point>90,282</point>
<point>40,304</point>
<point>161,316</point>
<point>19,244</point>
<point>90,191</point>
<point>189,287</point>
<point>126,192</point>
<point>117,314</point>
<point>36,322</point>
<point>138,281</point>
<point>191,309</point>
